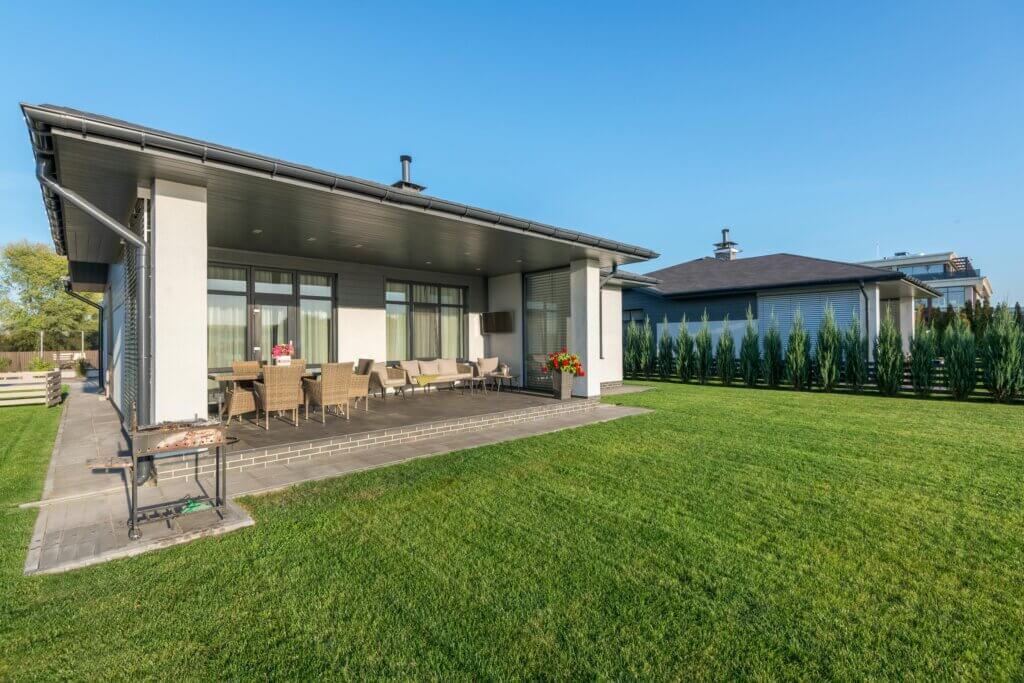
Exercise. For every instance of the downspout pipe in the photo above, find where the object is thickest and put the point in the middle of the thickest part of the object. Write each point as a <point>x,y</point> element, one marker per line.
<point>99,307</point>
<point>142,283</point>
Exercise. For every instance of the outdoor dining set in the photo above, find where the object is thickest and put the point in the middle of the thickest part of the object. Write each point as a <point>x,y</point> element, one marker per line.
<point>253,387</point>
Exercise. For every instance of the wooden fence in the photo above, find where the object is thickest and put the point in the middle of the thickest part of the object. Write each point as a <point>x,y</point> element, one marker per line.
<point>20,359</point>
<point>25,388</point>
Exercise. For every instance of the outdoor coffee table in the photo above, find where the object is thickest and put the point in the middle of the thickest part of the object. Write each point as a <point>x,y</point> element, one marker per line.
<point>510,381</point>
<point>475,383</point>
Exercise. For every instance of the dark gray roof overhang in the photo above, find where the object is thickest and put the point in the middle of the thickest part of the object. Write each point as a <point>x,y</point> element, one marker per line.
<point>42,118</point>
<point>724,291</point>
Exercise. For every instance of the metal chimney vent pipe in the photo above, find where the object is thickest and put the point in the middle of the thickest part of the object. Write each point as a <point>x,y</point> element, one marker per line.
<point>406,163</point>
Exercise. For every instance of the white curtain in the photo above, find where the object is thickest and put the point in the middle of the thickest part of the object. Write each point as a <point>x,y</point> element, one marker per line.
<point>225,318</point>
<point>315,321</point>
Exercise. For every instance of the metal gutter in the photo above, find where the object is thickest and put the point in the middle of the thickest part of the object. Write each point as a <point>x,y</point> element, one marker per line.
<point>42,117</point>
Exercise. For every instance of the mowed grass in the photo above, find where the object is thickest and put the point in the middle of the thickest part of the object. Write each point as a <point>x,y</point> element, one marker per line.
<point>730,533</point>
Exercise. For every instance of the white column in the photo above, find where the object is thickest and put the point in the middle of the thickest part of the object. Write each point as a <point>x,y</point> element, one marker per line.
<point>907,321</point>
<point>585,327</point>
<point>179,301</point>
<point>505,293</point>
<point>873,319</point>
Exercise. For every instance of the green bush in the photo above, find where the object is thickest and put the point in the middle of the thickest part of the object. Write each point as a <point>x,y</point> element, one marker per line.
<point>798,355</point>
<point>855,355</point>
<point>645,347</point>
<point>684,349</point>
<point>703,357</point>
<point>81,367</point>
<point>924,350</point>
<point>774,367</point>
<point>5,363</point>
<point>750,354</point>
<point>1001,355</point>
<point>725,354</point>
<point>889,358</point>
<point>666,352</point>
<point>828,352</point>
<point>38,364</point>
<point>629,356</point>
<point>961,359</point>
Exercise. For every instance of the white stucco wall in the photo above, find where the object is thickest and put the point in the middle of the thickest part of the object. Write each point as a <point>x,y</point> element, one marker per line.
<point>505,293</point>
<point>610,368</point>
<point>362,333</point>
<point>584,326</point>
<point>179,341</point>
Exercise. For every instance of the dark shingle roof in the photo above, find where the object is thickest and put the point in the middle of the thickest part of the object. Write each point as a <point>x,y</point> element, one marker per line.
<point>706,276</point>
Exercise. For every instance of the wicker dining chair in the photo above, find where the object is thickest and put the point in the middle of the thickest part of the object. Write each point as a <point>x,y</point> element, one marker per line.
<point>279,390</point>
<point>239,398</point>
<point>359,388</point>
<point>331,389</point>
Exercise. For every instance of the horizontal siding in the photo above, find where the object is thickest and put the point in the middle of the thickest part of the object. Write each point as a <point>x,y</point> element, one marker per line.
<point>657,306</point>
<point>812,306</point>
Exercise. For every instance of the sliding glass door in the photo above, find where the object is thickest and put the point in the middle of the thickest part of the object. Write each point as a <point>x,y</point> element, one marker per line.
<point>546,326</point>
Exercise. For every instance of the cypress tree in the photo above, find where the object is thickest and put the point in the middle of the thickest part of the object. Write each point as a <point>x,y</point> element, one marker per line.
<point>797,354</point>
<point>1001,355</point>
<point>923,353</point>
<point>703,355</point>
<point>828,352</point>
<point>725,354</point>
<point>774,367</point>
<point>855,355</point>
<point>645,348</point>
<point>666,351</point>
<point>750,355</point>
<point>961,359</point>
<point>684,347</point>
<point>889,358</point>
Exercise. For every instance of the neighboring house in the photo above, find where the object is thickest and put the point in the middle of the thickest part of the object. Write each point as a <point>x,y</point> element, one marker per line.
<point>775,287</point>
<point>208,254</point>
<point>954,277</point>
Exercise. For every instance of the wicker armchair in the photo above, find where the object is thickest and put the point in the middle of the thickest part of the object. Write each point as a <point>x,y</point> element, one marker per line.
<point>280,390</point>
<point>239,398</point>
<point>359,388</point>
<point>331,389</point>
<point>383,378</point>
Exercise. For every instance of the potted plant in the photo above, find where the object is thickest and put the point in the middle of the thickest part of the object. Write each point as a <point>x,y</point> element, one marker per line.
<point>565,368</point>
<point>282,353</point>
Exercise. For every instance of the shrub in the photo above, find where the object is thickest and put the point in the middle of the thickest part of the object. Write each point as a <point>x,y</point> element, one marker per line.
<point>81,367</point>
<point>702,366</point>
<point>798,355</point>
<point>923,352</point>
<point>629,359</point>
<point>889,358</point>
<point>666,352</point>
<point>645,348</point>
<point>725,354</point>
<point>750,354</point>
<point>38,364</point>
<point>961,359</point>
<point>828,352</point>
<point>684,349</point>
<point>5,363</point>
<point>1001,355</point>
<point>855,356</point>
<point>773,362</point>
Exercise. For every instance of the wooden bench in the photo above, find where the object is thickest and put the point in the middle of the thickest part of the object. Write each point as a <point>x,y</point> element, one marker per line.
<point>27,388</point>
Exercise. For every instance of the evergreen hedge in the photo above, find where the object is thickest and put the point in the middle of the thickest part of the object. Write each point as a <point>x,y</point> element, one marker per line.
<point>828,352</point>
<point>666,352</point>
<point>645,348</point>
<point>684,348</point>
<point>855,356</point>
<point>702,344</point>
<point>961,359</point>
<point>924,351</point>
<point>798,355</point>
<point>1001,355</point>
<point>774,365</point>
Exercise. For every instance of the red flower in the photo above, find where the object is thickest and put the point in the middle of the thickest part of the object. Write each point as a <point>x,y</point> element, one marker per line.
<point>563,350</point>
<point>580,373</point>
<point>544,369</point>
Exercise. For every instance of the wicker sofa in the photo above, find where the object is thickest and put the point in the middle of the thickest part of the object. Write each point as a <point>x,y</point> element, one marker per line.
<point>433,373</point>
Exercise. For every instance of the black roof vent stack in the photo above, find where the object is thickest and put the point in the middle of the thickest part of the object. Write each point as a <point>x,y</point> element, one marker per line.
<point>406,182</point>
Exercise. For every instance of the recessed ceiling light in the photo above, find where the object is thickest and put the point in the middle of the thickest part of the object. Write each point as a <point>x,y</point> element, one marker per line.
<point>467,253</point>
<point>357,246</point>
<point>428,262</point>
<point>257,231</point>
<point>478,269</point>
<point>311,239</point>
<point>519,260</point>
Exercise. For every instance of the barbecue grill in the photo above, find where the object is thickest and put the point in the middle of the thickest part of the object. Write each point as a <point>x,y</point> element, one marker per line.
<point>177,438</point>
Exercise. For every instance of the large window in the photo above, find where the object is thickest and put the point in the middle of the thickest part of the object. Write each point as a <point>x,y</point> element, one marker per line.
<point>226,315</point>
<point>249,310</point>
<point>425,321</point>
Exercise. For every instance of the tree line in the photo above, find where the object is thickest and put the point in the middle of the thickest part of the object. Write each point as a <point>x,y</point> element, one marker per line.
<point>956,351</point>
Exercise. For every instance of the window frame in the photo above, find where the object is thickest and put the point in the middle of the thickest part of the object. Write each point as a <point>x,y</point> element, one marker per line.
<point>410,305</point>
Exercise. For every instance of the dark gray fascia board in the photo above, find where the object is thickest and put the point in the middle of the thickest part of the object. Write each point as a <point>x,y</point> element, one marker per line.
<point>43,117</point>
<point>627,276</point>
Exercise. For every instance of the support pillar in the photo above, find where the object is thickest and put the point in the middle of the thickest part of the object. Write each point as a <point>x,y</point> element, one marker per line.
<point>585,327</point>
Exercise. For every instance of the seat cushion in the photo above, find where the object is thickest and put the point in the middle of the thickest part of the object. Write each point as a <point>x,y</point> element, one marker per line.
<point>364,366</point>
<point>486,365</point>
<point>429,367</point>
<point>412,367</point>
<point>447,366</point>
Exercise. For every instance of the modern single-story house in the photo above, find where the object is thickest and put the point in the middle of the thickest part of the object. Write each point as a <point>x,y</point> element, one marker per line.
<point>774,287</point>
<point>207,254</point>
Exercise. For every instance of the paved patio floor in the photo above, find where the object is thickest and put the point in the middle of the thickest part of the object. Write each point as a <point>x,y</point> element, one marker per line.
<point>83,514</point>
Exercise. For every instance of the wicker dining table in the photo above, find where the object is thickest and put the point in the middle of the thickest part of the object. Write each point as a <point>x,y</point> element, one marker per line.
<point>233,378</point>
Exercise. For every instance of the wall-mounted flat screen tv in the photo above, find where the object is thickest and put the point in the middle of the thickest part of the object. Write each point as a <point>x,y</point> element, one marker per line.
<point>497,322</point>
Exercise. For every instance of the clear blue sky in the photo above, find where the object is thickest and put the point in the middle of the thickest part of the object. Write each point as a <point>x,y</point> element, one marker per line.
<point>818,131</point>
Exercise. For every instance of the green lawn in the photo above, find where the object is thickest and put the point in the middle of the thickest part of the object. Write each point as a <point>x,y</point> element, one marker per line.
<point>730,533</point>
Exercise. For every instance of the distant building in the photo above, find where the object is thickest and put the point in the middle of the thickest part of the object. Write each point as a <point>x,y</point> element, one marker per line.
<point>775,286</point>
<point>954,277</point>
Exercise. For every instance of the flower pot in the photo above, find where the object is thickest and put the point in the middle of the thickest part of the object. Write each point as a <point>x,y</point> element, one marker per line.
<point>283,360</point>
<point>563,382</point>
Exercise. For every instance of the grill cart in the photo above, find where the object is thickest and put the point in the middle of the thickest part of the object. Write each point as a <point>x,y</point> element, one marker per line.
<point>170,439</point>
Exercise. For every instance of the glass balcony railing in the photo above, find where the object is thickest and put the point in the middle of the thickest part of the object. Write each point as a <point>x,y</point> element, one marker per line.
<point>951,275</point>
